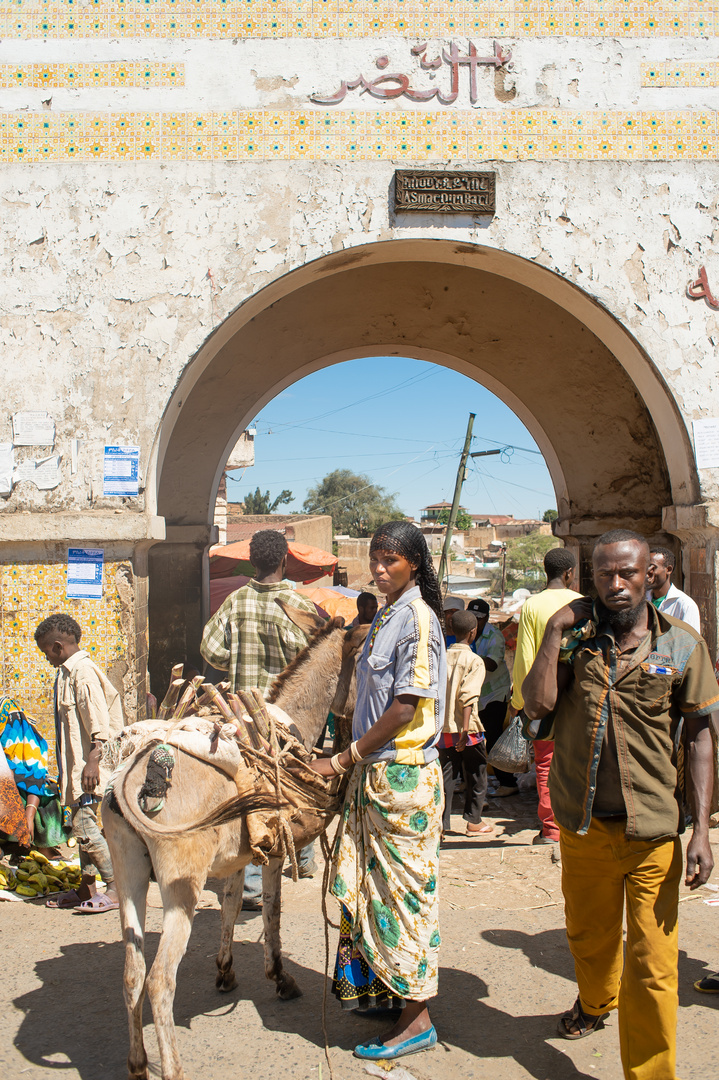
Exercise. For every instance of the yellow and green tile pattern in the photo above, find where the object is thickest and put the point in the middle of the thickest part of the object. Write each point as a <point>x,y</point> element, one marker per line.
<point>29,592</point>
<point>81,76</point>
<point>680,73</point>
<point>357,18</point>
<point>476,135</point>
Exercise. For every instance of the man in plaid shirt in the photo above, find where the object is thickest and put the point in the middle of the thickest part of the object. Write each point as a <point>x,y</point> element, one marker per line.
<point>252,639</point>
<point>250,636</point>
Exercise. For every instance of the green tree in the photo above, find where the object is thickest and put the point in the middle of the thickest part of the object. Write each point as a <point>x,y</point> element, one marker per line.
<point>463,521</point>
<point>550,515</point>
<point>258,503</point>
<point>525,563</point>
<point>356,504</point>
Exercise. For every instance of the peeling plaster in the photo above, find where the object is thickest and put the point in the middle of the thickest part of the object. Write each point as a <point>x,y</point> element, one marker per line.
<point>100,319</point>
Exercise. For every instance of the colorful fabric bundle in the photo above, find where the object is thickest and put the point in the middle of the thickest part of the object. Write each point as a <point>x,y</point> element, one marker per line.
<point>12,811</point>
<point>25,749</point>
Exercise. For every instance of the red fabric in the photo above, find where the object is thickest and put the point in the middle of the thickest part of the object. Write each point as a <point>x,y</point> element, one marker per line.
<point>543,752</point>
<point>304,563</point>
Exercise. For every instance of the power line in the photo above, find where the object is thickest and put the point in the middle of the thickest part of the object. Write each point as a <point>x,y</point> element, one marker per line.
<point>290,425</point>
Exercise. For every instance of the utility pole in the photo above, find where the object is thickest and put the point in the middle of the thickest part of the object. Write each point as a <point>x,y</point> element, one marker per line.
<point>461,471</point>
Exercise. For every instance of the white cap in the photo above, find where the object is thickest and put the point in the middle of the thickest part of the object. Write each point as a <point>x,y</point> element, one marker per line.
<point>453,603</point>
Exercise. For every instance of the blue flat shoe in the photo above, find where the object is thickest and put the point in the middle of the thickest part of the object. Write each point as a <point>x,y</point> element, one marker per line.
<point>376,1050</point>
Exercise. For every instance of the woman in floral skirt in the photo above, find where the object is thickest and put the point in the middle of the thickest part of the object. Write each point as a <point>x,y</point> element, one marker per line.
<point>386,857</point>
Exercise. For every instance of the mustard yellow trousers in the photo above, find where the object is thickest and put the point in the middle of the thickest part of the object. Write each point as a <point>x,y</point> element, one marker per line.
<point>599,872</point>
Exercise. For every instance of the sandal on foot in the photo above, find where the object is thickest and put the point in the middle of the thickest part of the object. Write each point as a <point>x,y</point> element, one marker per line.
<point>97,903</point>
<point>478,830</point>
<point>69,899</point>
<point>708,985</point>
<point>580,1021</point>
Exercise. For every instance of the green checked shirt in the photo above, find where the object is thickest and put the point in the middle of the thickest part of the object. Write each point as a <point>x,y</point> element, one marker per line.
<point>251,638</point>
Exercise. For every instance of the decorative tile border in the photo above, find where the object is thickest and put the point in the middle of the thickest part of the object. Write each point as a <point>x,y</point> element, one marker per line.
<point>29,592</point>
<point>80,76</point>
<point>680,73</point>
<point>510,134</point>
<point>357,18</point>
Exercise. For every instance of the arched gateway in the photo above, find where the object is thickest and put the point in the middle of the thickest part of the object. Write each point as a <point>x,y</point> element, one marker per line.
<point>200,207</point>
<point>608,426</point>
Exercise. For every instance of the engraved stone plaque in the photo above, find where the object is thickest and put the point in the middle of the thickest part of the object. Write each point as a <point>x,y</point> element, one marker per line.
<point>433,192</point>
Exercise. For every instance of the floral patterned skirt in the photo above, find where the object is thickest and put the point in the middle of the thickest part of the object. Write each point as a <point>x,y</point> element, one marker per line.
<point>384,873</point>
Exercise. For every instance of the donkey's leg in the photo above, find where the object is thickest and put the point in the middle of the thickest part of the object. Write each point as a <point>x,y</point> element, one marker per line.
<point>271,907</point>
<point>231,904</point>
<point>179,899</point>
<point>132,866</point>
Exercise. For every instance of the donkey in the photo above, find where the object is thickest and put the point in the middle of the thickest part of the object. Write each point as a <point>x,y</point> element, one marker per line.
<point>320,678</point>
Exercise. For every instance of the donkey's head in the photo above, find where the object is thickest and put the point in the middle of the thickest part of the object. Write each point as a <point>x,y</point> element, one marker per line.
<point>345,698</point>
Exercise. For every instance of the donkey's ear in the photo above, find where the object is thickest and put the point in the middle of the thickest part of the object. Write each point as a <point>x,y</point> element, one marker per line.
<point>307,621</point>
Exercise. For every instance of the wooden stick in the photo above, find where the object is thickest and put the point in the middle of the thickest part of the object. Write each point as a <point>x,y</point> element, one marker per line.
<point>215,698</point>
<point>188,697</point>
<point>240,720</point>
<point>256,712</point>
<point>168,702</point>
<point>266,721</point>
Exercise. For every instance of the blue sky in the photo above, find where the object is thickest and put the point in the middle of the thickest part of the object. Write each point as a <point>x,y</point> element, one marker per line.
<point>401,422</point>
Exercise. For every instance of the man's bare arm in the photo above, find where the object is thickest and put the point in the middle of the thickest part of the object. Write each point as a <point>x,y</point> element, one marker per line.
<point>700,767</point>
<point>547,677</point>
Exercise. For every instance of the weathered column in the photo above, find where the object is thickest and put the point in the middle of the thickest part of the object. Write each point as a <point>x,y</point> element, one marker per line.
<point>697,527</point>
<point>178,600</point>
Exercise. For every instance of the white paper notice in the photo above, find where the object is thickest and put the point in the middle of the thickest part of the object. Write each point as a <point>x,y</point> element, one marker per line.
<point>84,573</point>
<point>33,429</point>
<point>47,472</point>
<point>25,470</point>
<point>706,443</point>
<point>121,474</point>
<point>7,466</point>
<point>44,474</point>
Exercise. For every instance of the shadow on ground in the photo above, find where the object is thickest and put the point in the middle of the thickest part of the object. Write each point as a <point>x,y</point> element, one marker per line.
<point>78,1012</point>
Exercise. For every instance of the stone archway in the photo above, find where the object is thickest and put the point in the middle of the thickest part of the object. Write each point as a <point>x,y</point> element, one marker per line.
<point>614,441</point>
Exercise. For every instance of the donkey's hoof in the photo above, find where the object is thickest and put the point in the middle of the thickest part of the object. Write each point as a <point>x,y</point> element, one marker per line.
<point>137,1070</point>
<point>287,988</point>
<point>226,982</point>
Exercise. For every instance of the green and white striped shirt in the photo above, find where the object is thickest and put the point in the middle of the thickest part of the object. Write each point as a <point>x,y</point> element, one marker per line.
<point>251,638</point>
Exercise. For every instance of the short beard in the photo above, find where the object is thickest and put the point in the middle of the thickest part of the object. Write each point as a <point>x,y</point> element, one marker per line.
<point>623,620</point>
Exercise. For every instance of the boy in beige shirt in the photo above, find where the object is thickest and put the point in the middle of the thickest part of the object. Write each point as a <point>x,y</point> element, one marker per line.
<point>88,713</point>
<point>462,746</point>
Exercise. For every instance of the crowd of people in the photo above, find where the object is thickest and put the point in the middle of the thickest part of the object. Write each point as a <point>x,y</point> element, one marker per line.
<point>613,693</point>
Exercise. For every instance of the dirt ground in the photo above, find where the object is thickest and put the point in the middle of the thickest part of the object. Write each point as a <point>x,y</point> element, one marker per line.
<point>506,973</point>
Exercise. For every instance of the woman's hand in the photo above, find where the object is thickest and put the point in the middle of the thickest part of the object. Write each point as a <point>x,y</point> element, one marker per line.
<point>322,766</point>
<point>30,819</point>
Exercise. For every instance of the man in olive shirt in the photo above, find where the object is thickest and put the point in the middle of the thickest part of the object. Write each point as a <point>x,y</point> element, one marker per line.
<point>617,688</point>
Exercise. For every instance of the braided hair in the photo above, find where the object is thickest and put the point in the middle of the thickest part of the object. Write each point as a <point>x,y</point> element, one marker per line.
<point>406,540</point>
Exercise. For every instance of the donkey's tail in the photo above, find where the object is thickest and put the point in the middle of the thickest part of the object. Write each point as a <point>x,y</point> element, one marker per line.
<point>251,803</point>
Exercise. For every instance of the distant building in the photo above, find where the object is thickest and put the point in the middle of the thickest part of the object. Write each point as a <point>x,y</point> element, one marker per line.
<point>429,514</point>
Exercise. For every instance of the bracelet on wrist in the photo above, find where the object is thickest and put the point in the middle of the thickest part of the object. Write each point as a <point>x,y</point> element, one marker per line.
<point>337,767</point>
<point>354,753</point>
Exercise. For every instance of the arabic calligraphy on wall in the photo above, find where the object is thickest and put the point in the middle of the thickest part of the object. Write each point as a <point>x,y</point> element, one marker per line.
<point>390,85</point>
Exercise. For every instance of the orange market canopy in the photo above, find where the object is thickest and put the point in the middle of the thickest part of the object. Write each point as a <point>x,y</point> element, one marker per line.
<point>332,601</point>
<point>304,563</point>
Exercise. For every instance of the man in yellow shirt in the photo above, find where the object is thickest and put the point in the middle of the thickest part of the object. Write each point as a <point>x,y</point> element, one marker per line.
<point>559,566</point>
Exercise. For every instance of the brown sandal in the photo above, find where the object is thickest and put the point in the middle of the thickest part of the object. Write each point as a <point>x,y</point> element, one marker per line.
<point>577,1017</point>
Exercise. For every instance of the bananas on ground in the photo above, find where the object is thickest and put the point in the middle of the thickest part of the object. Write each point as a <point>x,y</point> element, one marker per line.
<point>8,878</point>
<point>37,876</point>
